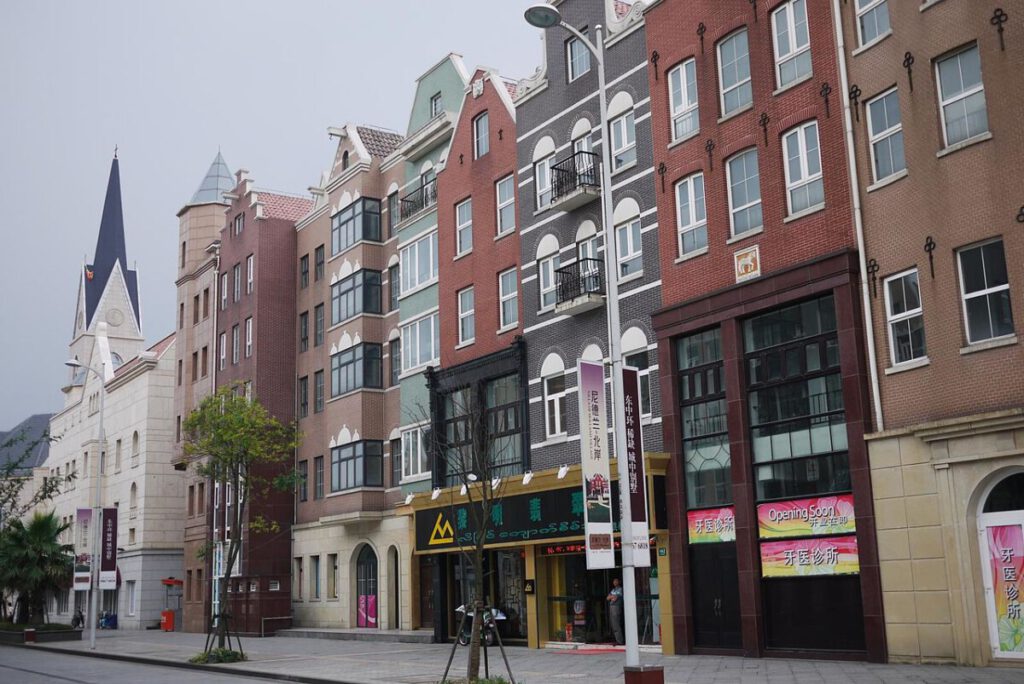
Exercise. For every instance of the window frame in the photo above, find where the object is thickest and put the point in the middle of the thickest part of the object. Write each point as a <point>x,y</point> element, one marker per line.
<point>547,266</point>
<point>222,363</point>
<point>302,390</point>
<point>360,293</point>
<point>363,363</point>
<point>223,291</point>
<point>411,362</point>
<point>466,315</point>
<point>807,178</point>
<point>635,242</point>
<point>318,391</point>
<point>414,436</point>
<point>303,271</point>
<point>436,105</point>
<point>237,290</point>
<point>395,360</point>
<point>643,384</point>
<point>504,297</point>
<point>318,477</point>
<point>358,454</point>
<point>540,190</point>
<point>788,9</point>
<point>985,292</point>
<point>685,108</point>
<point>319,257</point>
<point>570,73</point>
<point>463,226</point>
<point>248,337</point>
<point>481,139</point>
<point>875,138</point>
<point>859,13</point>
<point>946,102</point>
<point>693,202</point>
<point>500,205</point>
<point>318,324</point>
<point>557,401</point>
<point>892,319</point>
<point>236,343</point>
<point>733,210</point>
<point>409,263</point>
<point>629,148</point>
<point>355,221</point>
<point>739,84</point>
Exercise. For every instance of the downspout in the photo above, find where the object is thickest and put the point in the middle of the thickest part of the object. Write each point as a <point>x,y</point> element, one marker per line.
<point>858,218</point>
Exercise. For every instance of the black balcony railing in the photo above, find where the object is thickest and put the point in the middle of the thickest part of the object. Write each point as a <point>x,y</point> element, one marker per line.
<point>581,169</point>
<point>584,276</point>
<point>419,199</point>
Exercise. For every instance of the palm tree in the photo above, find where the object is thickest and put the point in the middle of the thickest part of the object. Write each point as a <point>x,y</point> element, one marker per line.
<point>34,562</point>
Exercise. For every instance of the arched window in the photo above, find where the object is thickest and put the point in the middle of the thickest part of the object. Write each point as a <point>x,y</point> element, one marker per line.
<point>1008,495</point>
<point>547,263</point>
<point>366,588</point>
<point>133,497</point>
<point>628,243</point>
<point>635,355</point>
<point>543,158</point>
<point>344,160</point>
<point>135,445</point>
<point>553,378</point>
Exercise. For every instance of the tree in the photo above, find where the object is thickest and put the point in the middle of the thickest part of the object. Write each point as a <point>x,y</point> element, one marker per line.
<point>33,563</point>
<point>239,446</point>
<point>16,475</point>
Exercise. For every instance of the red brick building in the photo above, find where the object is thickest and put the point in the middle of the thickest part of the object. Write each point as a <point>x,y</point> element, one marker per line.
<point>764,387</point>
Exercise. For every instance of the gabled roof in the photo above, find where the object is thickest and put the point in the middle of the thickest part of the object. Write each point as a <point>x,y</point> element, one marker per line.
<point>217,181</point>
<point>379,142</point>
<point>157,351</point>
<point>288,207</point>
<point>24,433</point>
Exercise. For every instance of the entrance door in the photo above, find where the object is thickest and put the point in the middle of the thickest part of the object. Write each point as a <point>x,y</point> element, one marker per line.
<point>716,593</point>
<point>428,566</point>
<point>1001,540</point>
<point>366,588</point>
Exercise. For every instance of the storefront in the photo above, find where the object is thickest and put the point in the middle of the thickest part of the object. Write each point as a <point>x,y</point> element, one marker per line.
<point>534,565</point>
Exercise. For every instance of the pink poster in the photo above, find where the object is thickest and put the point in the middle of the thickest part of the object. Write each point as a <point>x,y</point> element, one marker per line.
<point>371,610</point>
<point>802,557</point>
<point>361,611</point>
<point>807,517</point>
<point>1006,556</point>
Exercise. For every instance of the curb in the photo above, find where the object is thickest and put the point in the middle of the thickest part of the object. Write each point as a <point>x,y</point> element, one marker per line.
<point>219,669</point>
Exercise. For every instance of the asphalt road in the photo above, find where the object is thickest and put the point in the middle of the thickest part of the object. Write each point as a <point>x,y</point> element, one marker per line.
<point>24,666</point>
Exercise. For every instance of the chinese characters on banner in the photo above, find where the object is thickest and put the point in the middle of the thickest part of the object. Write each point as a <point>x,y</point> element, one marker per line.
<point>641,551</point>
<point>711,525</point>
<point>597,487</point>
<point>108,552</point>
<point>803,557</point>
<point>806,517</point>
<point>83,569</point>
<point>1006,557</point>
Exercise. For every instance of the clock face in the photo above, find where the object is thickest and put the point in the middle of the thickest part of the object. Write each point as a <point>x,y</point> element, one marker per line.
<point>115,317</point>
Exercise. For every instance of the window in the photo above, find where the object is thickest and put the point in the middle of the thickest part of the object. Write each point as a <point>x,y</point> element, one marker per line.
<point>481,139</point>
<point>682,98</point>
<point>181,315</point>
<point>318,391</point>
<point>744,192</point>
<point>250,270</point>
<point>357,294</point>
<point>344,160</point>
<point>393,213</point>
<point>546,279</point>
<point>464,227</point>
<point>303,480</point>
<point>885,130</point>
<point>420,342</point>
<point>355,368</point>
<point>318,477</point>
<point>130,598</point>
<point>691,215</point>
<point>623,141</point>
<point>117,456</point>
<point>577,57</point>
<point>238,282</point>
<point>905,318</point>
<point>236,349</point>
<point>467,317</point>
<point>395,354</point>
<point>792,42</point>
<point>358,221</point>
<point>304,271</point>
<point>435,105</point>
<point>303,392</point>
<point>962,96</point>
<point>223,292</point>
<point>640,363</point>
<point>508,299</point>
<point>314,568</point>
<point>986,292</point>
<point>332,575</point>
<point>360,464</point>
<point>505,191</point>
<point>419,262</point>
<point>542,181</point>
<point>318,263</point>
<point>223,342</point>
<point>629,248</point>
<point>303,331</point>
<point>804,186</point>
<point>872,20</point>
<point>195,309</point>
<point>394,288</point>
<point>182,255</point>
<point>201,498</point>
<point>414,453</point>
<point>296,577</point>
<point>734,73</point>
<point>181,370</point>
<point>554,405</point>
<point>248,337</point>
<point>205,358</point>
<point>206,303</point>
<point>195,366</point>
<point>396,462</point>
<point>318,325</point>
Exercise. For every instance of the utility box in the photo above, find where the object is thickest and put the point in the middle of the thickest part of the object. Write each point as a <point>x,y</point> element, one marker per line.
<point>167,620</point>
<point>170,617</point>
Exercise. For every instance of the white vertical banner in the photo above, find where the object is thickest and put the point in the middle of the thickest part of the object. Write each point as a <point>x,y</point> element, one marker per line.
<point>636,488</point>
<point>597,483</point>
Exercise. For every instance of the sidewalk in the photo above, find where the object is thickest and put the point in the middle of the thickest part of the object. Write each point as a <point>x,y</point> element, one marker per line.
<point>361,662</point>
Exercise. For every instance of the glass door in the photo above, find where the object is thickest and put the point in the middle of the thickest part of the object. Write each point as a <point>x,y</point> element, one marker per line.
<point>1001,541</point>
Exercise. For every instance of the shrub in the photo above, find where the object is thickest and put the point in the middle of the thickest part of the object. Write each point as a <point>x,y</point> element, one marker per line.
<point>217,655</point>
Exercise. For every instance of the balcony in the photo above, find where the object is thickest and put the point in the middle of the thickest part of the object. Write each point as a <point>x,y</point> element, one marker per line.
<point>575,181</point>
<point>419,199</point>
<point>579,286</point>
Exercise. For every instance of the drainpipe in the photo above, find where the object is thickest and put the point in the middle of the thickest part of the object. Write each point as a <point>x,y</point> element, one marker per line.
<point>858,218</point>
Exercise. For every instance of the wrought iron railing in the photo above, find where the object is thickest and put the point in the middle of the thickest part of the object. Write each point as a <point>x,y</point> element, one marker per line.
<point>584,276</point>
<point>581,169</point>
<point>419,199</point>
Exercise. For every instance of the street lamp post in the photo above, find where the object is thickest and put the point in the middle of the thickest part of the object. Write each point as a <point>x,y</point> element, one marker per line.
<point>546,16</point>
<point>97,512</point>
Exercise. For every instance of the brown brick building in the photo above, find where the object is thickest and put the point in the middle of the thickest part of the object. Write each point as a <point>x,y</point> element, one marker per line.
<point>938,145</point>
<point>764,384</point>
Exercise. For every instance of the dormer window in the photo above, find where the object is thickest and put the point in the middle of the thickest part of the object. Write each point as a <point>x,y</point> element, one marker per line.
<point>344,160</point>
<point>435,105</point>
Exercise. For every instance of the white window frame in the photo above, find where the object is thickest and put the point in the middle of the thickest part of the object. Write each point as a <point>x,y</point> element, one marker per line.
<point>733,209</point>
<point>643,380</point>
<point>545,187</point>
<point>223,291</point>
<point>861,11</point>
<point>633,246</point>
<point>546,287</point>
<point>569,61</point>
<point>508,296</point>
<point>877,137</point>
<point>893,319</point>
<point>411,342</point>
<point>413,449</point>
<point>980,293</point>
<point>510,183</point>
<point>806,177</point>
<point>223,351</point>
<point>687,96</point>
<point>436,106</point>
<point>248,337</point>
<point>694,202</point>
<point>467,315</point>
<point>481,139</point>
<point>237,274</point>
<point>946,102</point>
<point>554,401</point>
<point>624,128</point>
<point>787,12</point>
<point>129,600</point>
<point>738,84</point>
<point>236,344</point>
<point>411,278</point>
<point>250,269</point>
<point>464,229</point>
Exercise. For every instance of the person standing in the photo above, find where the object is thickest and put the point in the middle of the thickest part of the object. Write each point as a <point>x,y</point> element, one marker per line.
<point>614,599</point>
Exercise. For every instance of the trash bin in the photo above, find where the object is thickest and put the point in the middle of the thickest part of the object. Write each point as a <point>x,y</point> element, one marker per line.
<point>167,620</point>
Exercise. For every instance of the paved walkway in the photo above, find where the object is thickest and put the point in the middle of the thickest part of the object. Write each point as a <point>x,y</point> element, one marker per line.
<point>361,662</point>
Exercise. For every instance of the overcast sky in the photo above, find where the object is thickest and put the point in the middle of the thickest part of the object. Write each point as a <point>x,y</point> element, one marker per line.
<point>169,83</point>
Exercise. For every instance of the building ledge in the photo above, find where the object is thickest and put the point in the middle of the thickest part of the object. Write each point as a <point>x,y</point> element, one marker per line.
<point>996,343</point>
<point>980,423</point>
<point>956,147</point>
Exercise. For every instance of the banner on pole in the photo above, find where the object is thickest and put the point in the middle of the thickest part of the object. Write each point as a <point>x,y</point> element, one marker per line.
<point>597,485</point>
<point>83,570</point>
<point>637,485</point>
<point>108,550</point>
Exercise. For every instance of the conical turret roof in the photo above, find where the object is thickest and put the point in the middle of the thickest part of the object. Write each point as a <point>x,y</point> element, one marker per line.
<point>217,181</point>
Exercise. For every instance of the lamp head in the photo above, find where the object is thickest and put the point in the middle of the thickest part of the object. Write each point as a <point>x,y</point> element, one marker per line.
<point>542,15</point>
<point>73,363</point>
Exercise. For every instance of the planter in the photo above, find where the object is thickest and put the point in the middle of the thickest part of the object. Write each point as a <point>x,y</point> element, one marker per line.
<point>18,637</point>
